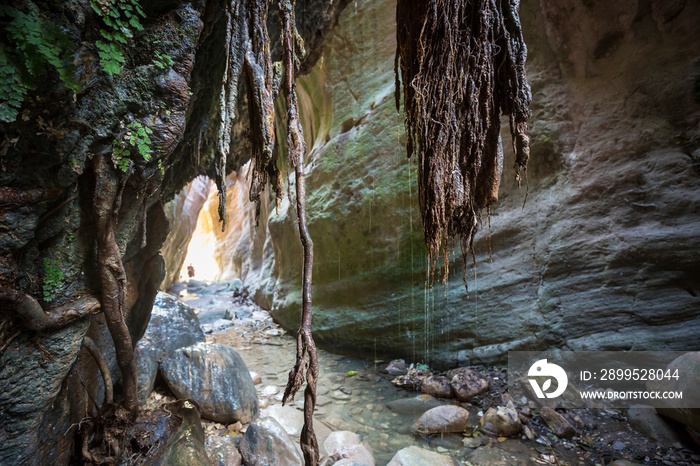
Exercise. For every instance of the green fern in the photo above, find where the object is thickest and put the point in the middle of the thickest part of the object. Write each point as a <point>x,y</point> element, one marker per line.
<point>137,137</point>
<point>53,278</point>
<point>33,41</point>
<point>121,19</point>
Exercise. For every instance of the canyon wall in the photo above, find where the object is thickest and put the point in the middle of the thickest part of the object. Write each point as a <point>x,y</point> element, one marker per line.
<point>597,252</point>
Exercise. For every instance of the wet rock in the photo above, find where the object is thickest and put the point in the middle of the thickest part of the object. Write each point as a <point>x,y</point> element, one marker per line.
<point>557,423</point>
<point>466,384</point>
<point>443,419</point>
<point>173,325</point>
<point>414,406</point>
<point>349,448</point>
<point>415,456</point>
<point>412,380</point>
<point>223,450</point>
<point>265,443</point>
<point>187,447</point>
<point>688,367</point>
<point>501,421</point>
<point>216,378</point>
<point>396,367</point>
<point>438,386</point>
<point>645,419</point>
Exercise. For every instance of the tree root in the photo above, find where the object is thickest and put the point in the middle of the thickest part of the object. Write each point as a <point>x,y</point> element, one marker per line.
<point>94,351</point>
<point>113,278</point>
<point>462,65</point>
<point>306,348</point>
<point>35,318</point>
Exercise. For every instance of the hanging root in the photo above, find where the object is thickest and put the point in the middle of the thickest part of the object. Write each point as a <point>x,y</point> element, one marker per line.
<point>306,348</point>
<point>94,351</point>
<point>248,51</point>
<point>113,279</point>
<point>462,64</point>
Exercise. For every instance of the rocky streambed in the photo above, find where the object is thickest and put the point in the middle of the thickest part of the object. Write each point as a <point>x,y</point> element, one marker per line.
<point>212,345</point>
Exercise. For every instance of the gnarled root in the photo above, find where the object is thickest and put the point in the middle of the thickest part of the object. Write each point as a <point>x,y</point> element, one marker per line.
<point>113,279</point>
<point>94,351</point>
<point>35,318</point>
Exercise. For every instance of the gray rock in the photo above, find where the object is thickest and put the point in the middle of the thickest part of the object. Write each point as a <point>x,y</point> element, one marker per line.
<point>266,443</point>
<point>414,406</point>
<point>688,366</point>
<point>187,447</point>
<point>396,367</point>
<point>438,386</point>
<point>501,421</point>
<point>223,450</point>
<point>466,384</point>
<point>345,447</point>
<point>415,456</point>
<point>443,419</point>
<point>645,419</point>
<point>173,325</point>
<point>557,423</point>
<point>216,378</point>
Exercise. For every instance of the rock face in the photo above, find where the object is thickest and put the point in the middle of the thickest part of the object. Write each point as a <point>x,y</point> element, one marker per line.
<point>442,419</point>
<point>216,378</point>
<point>173,325</point>
<point>600,257</point>
<point>265,443</point>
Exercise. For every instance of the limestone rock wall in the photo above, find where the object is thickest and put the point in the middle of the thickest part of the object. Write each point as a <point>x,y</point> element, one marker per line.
<point>603,254</point>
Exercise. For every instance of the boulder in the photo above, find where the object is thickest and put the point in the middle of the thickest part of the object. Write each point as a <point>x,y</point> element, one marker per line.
<point>416,456</point>
<point>502,421</point>
<point>688,367</point>
<point>265,443</point>
<point>223,451</point>
<point>645,420</point>
<point>345,447</point>
<point>466,384</point>
<point>215,377</point>
<point>173,325</point>
<point>443,419</point>
<point>557,423</point>
<point>187,447</point>
<point>438,386</point>
<point>396,367</point>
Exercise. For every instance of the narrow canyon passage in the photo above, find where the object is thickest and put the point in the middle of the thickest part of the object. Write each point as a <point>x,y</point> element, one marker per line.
<point>502,198</point>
